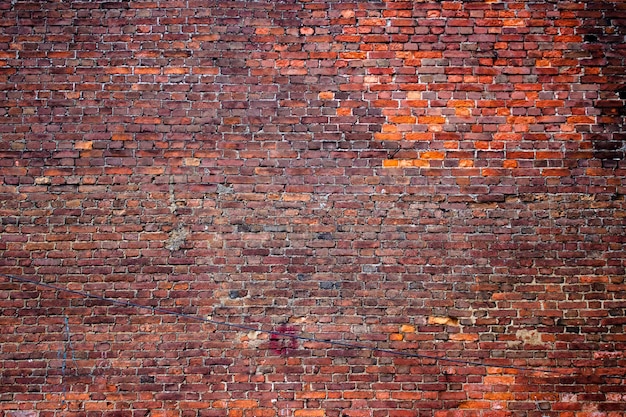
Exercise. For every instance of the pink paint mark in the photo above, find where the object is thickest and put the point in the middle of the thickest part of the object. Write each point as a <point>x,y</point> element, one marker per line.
<point>281,341</point>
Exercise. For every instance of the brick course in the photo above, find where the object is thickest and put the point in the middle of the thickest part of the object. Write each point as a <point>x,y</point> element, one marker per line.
<point>438,178</point>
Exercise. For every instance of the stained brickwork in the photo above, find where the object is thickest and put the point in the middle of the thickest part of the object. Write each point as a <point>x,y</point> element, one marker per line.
<point>409,180</point>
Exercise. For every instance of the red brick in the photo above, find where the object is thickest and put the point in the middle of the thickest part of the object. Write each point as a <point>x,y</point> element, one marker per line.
<point>344,171</point>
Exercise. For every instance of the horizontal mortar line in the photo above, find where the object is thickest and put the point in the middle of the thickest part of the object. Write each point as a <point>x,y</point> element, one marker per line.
<point>272,332</point>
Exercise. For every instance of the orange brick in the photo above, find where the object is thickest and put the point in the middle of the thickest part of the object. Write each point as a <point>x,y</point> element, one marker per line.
<point>507,136</point>
<point>76,396</point>
<point>499,396</point>
<point>548,155</point>
<point>243,404</point>
<point>420,163</point>
<point>84,145</point>
<point>403,119</point>
<point>385,103</point>
<point>543,63</point>
<point>461,103</point>
<point>175,70</point>
<point>310,412</point>
<point>509,163</point>
<point>353,55</point>
<point>122,136</point>
<point>433,155</point>
<point>427,54</point>
<point>499,379</point>
<point>148,120</point>
<point>407,328</point>
<point>581,119</point>
<point>419,136</point>
<point>464,337</point>
<point>352,395</point>
<point>207,38</point>
<point>344,111</point>
<point>348,38</point>
<point>415,95</point>
<point>310,394</point>
<point>388,136</point>
<point>549,103</point>
<point>150,170</point>
<point>595,172</point>
<point>431,119</point>
<point>416,103</point>
<point>232,120</point>
<point>60,55</point>
<point>492,172</point>
<point>191,162</point>
<point>296,197</point>
<point>406,395</point>
<point>195,405</point>
<point>220,404</point>
<point>97,405</point>
<point>293,71</point>
<point>521,120</point>
<point>326,95</point>
<point>514,22</point>
<point>406,163</point>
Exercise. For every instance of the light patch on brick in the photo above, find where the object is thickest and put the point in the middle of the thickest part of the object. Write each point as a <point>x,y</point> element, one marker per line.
<point>191,162</point>
<point>176,239</point>
<point>443,320</point>
<point>84,145</point>
<point>326,95</point>
<point>43,180</point>
<point>407,328</point>
<point>529,337</point>
<point>22,413</point>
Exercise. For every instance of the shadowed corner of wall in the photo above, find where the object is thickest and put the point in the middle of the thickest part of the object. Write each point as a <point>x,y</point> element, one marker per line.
<point>610,145</point>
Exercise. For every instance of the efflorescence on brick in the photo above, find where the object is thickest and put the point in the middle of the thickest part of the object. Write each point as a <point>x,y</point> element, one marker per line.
<point>435,177</point>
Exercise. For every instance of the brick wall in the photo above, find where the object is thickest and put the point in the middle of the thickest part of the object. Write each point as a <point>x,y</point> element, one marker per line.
<point>407,179</point>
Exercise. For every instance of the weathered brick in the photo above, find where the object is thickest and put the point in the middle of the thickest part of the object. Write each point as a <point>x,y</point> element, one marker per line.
<point>438,178</point>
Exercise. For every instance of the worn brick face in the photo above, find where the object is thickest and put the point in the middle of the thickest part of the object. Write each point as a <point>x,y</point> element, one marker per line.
<point>411,179</point>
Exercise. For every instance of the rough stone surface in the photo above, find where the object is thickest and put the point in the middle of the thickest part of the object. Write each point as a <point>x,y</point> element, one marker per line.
<point>440,178</point>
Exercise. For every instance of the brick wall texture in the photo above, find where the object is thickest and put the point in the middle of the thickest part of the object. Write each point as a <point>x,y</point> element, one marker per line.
<point>410,180</point>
